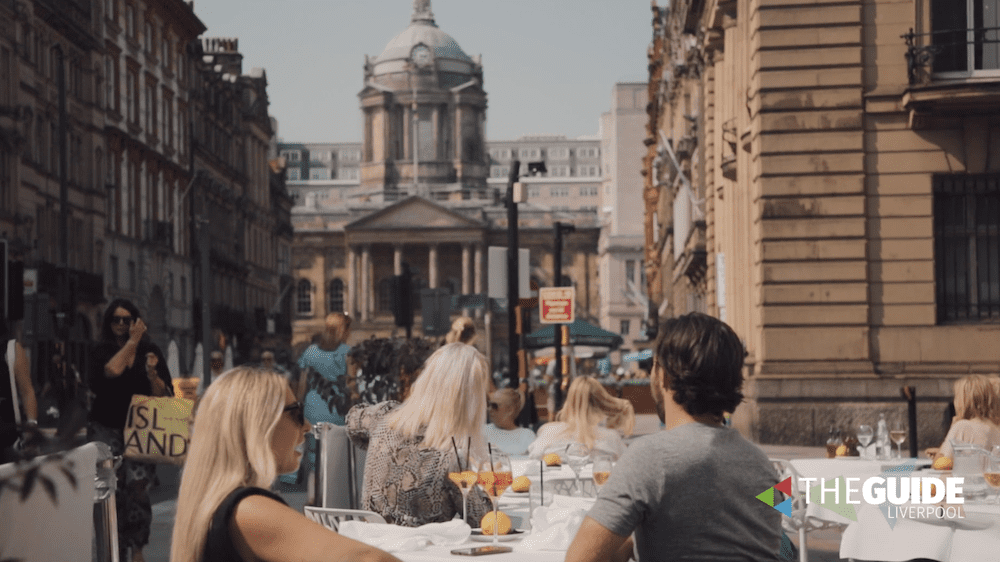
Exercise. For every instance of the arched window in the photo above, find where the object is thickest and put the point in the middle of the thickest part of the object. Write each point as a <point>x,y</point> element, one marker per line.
<point>335,296</point>
<point>303,297</point>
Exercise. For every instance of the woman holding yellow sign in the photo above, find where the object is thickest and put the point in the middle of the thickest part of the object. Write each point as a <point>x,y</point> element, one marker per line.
<point>126,363</point>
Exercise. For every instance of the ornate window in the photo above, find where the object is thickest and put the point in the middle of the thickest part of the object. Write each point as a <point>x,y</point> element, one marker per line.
<point>335,296</point>
<point>967,247</point>
<point>966,35</point>
<point>303,297</point>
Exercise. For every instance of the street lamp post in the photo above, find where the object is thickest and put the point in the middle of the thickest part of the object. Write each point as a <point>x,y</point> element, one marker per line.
<point>512,276</point>
<point>557,329</point>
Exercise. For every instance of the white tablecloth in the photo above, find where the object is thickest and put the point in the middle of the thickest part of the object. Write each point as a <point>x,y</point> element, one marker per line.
<point>517,507</point>
<point>871,538</point>
<point>847,467</point>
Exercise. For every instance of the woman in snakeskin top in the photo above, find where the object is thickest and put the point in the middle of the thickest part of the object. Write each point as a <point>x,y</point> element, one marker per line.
<point>410,445</point>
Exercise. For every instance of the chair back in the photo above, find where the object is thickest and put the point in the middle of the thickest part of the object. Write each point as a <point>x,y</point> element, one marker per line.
<point>339,468</point>
<point>331,517</point>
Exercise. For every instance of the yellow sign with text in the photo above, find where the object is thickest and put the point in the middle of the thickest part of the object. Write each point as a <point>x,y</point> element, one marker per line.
<point>157,429</point>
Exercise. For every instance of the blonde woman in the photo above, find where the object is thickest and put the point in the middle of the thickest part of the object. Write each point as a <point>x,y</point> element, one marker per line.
<point>410,445</point>
<point>503,432</point>
<point>248,429</point>
<point>977,415</point>
<point>462,330</point>
<point>587,407</point>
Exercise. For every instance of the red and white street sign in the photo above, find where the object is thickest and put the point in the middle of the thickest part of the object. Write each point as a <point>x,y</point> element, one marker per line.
<point>556,305</point>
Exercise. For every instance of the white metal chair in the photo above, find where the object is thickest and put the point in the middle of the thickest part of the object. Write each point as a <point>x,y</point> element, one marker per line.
<point>800,522</point>
<point>331,517</point>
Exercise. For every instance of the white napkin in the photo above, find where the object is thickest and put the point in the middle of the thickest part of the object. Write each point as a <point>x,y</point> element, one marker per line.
<point>394,538</point>
<point>554,526</point>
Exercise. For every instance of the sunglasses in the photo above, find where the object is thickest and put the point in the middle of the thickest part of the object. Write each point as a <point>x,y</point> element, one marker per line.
<point>494,406</point>
<point>298,412</point>
<point>121,319</point>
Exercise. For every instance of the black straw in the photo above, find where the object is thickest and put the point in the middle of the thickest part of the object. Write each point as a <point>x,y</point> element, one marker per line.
<point>458,458</point>
<point>468,447</point>
<point>541,472</point>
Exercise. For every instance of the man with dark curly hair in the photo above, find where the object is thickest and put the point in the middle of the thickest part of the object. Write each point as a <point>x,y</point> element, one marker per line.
<point>687,492</point>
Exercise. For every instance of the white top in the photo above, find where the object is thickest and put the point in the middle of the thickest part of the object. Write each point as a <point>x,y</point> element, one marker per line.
<point>978,431</point>
<point>511,441</point>
<point>555,434</point>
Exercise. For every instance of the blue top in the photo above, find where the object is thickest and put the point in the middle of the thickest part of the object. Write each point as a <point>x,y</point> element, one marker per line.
<point>332,366</point>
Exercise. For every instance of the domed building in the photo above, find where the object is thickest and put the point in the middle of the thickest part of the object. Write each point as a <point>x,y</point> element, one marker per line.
<point>425,191</point>
<point>424,117</point>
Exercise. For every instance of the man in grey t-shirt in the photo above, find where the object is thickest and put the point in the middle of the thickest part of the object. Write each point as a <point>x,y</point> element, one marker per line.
<point>689,491</point>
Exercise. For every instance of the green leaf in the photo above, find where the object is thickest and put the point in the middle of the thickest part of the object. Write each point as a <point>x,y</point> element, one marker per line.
<point>28,484</point>
<point>50,488</point>
<point>69,475</point>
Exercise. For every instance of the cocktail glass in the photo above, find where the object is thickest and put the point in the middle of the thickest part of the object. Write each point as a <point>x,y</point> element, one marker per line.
<point>495,477</point>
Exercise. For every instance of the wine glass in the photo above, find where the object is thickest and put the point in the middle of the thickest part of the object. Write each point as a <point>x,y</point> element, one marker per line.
<point>898,435</point>
<point>865,435</point>
<point>495,476</point>
<point>992,472</point>
<point>602,470</point>
<point>576,456</point>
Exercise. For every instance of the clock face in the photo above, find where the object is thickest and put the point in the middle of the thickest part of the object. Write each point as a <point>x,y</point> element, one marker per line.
<point>421,55</point>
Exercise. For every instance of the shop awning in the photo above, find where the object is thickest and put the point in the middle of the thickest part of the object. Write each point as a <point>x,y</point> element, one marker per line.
<point>580,333</point>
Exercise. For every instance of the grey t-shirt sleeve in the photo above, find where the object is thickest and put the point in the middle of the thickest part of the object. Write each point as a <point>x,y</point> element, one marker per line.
<point>628,495</point>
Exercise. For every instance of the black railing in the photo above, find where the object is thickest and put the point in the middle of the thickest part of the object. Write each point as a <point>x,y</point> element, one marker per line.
<point>948,51</point>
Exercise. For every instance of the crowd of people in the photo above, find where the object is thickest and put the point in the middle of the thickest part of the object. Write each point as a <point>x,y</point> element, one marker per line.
<point>251,426</point>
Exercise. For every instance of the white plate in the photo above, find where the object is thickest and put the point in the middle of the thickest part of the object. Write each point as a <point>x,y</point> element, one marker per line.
<point>478,536</point>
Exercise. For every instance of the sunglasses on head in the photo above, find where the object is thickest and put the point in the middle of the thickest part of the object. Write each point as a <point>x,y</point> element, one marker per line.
<point>121,319</point>
<point>297,411</point>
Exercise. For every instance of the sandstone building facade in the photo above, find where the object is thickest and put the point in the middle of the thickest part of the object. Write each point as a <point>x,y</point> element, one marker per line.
<point>825,176</point>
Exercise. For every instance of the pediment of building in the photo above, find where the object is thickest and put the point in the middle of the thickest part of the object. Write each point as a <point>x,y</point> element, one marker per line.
<point>413,213</point>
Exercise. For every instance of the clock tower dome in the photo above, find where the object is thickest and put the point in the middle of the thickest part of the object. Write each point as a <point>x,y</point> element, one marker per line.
<point>424,111</point>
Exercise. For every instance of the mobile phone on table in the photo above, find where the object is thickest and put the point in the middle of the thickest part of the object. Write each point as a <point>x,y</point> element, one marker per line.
<point>481,550</point>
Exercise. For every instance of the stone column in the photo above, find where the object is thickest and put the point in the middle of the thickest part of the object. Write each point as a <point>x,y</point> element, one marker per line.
<point>477,274</point>
<point>352,279</point>
<point>432,266</point>
<point>397,259</point>
<point>365,280</point>
<point>435,116</point>
<point>466,281</point>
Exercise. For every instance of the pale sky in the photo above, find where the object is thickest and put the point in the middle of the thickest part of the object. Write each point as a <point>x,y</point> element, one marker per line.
<point>548,65</point>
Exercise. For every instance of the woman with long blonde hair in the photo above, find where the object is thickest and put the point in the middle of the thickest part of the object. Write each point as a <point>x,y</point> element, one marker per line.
<point>412,446</point>
<point>977,415</point>
<point>249,428</point>
<point>587,407</point>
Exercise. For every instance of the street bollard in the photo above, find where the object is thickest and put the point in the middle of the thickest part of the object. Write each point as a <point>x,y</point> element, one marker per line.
<point>105,512</point>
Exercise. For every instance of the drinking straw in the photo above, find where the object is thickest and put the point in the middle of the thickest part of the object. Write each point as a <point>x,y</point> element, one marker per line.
<point>468,447</point>
<point>490,447</point>
<point>458,458</point>
<point>541,472</point>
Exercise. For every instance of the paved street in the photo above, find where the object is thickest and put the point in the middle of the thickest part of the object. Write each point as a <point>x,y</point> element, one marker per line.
<point>823,546</point>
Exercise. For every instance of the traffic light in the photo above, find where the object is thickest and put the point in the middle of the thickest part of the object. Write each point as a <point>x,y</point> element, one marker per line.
<point>402,298</point>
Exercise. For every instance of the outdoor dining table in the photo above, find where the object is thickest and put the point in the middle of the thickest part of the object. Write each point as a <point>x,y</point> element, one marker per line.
<point>515,505</point>
<point>973,538</point>
<point>846,467</point>
<point>976,538</point>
